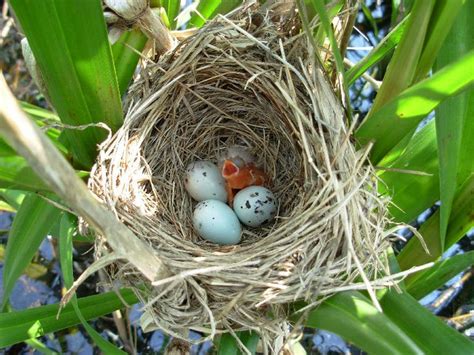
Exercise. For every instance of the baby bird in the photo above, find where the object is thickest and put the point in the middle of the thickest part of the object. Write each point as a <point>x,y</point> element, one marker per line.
<point>239,175</point>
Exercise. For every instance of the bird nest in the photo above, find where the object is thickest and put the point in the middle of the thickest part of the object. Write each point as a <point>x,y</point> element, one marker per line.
<point>241,81</point>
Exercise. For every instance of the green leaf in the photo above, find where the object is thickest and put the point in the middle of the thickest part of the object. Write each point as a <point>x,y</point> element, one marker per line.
<point>401,70</point>
<point>382,49</point>
<point>422,283</point>
<point>43,349</point>
<point>70,44</point>
<point>67,230</point>
<point>172,10</point>
<point>430,334</point>
<point>401,115</point>
<point>31,323</point>
<point>442,18</point>
<point>453,116</point>
<point>370,18</point>
<point>126,58</point>
<point>410,192</point>
<point>29,228</point>
<point>16,174</point>
<point>353,316</point>
<point>460,222</point>
<point>203,12</point>
<point>42,118</point>
<point>228,345</point>
<point>326,23</point>
<point>207,9</point>
<point>13,197</point>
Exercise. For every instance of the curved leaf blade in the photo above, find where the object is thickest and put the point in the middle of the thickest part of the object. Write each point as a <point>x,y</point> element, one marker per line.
<point>421,284</point>
<point>31,323</point>
<point>29,228</point>
<point>411,179</point>
<point>383,49</point>
<point>431,335</point>
<point>353,316</point>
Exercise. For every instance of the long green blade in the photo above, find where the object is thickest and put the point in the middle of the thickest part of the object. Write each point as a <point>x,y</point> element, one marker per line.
<point>429,333</point>
<point>353,316</point>
<point>421,284</point>
<point>460,222</point>
<point>326,25</point>
<point>402,67</point>
<point>126,56</point>
<point>453,117</point>
<point>203,12</point>
<point>411,179</point>
<point>207,9</point>
<point>442,18</point>
<point>67,230</point>
<point>401,115</point>
<point>383,49</point>
<point>30,226</point>
<point>19,326</point>
<point>70,44</point>
<point>172,10</point>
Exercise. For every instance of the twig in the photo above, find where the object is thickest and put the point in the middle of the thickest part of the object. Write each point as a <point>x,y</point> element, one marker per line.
<point>52,167</point>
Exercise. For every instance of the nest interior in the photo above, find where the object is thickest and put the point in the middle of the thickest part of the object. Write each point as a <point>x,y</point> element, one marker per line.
<point>243,81</point>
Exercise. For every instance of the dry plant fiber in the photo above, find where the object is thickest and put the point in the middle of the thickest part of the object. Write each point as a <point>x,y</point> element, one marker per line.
<point>252,82</point>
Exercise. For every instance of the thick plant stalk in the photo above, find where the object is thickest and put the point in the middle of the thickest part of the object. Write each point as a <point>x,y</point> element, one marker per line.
<point>139,11</point>
<point>151,25</point>
<point>50,165</point>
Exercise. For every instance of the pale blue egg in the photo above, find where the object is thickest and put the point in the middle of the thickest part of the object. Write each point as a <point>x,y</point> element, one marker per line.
<point>216,222</point>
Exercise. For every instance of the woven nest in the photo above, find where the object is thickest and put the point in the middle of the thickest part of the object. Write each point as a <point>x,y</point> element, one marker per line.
<point>245,81</point>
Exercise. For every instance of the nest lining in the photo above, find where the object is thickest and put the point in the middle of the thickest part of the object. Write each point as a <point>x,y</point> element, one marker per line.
<point>248,82</point>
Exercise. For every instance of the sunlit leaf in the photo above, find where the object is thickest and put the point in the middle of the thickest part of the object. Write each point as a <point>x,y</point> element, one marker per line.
<point>401,115</point>
<point>69,41</point>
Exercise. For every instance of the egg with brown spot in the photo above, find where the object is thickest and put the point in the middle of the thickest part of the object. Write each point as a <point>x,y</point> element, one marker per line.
<point>255,206</point>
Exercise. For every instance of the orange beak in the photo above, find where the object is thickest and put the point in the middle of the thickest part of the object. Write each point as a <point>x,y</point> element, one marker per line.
<point>229,169</point>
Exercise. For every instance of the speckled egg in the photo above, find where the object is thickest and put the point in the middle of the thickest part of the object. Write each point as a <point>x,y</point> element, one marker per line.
<point>204,181</point>
<point>255,206</point>
<point>216,222</point>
